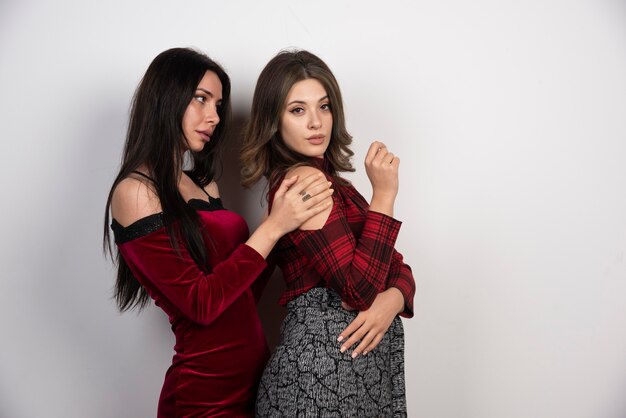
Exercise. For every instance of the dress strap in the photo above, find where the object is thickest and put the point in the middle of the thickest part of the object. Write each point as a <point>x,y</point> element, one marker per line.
<point>143,175</point>
<point>205,192</point>
<point>197,183</point>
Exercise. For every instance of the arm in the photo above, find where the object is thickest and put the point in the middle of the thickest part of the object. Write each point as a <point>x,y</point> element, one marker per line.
<point>401,277</point>
<point>176,278</point>
<point>370,326</point>
<point>259,285</point>
<point>357,270</point>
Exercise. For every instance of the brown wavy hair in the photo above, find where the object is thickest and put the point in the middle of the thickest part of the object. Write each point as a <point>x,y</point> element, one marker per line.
<point>264,154</point>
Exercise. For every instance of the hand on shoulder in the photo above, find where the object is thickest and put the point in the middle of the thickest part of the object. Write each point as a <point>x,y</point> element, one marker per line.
<point>134,199</point>
<point>305,172</point>
<point>296,202</point>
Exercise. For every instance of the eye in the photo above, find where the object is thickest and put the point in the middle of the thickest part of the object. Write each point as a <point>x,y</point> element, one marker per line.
<point>297,110</point>
<point>325,106</point>
<point>200,98</point>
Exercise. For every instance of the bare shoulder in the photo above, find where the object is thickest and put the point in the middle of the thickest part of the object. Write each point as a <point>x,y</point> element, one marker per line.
<point>303,171</point>
<point>134,199</point>
<point>212,189</point>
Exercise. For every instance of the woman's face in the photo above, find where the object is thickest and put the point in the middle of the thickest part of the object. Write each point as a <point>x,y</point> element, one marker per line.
<point>306,122</point>
<point>201,118</point>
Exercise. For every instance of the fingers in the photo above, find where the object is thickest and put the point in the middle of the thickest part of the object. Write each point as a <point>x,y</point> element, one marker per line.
<point>285,185</point>
<point>309,182</point>
<point>357,331</point>
<point>354,338</point>
<point>352,333</point>
<point>318,187</point>
<point>378,154</point>
<point>374,149</point>
<point>383,156</point>
<point>319,201</point>
<point>347,332</point>
<point>365,330</point>
<point>312,193</point>
<point>365,348</point>
<point>369,339</point>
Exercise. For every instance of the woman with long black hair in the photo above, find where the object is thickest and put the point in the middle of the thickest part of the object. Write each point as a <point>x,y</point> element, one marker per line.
<point>178,245</point>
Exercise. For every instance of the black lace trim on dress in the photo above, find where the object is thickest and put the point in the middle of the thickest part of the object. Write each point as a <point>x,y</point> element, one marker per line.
<point>140,228</point>
<point>151,223</point>
<point>214,203</point>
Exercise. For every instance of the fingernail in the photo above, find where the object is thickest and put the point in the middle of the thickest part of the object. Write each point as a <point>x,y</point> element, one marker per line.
<point>340,338</point>
<point>342,349</point>
<point>354,354</point>
<point>365,353</point>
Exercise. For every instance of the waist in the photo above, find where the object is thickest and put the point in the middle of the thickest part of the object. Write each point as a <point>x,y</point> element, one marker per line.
<point>316,297</point>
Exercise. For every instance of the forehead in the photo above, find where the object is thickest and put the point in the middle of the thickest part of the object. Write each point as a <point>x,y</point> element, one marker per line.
<point>211,82</point>
<point>305,90</point>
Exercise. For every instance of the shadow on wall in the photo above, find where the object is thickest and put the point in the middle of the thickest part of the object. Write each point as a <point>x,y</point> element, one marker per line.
<point>250,203</point>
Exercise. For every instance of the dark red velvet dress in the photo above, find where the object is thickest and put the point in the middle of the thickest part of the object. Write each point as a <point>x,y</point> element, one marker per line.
<point>220,347</point>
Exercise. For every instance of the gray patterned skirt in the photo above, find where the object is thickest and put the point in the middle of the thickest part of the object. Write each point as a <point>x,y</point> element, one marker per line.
<point>307,376</point>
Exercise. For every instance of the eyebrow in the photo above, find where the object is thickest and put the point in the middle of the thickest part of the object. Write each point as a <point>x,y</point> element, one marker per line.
<point>206,91</point>
<point>303,102</point>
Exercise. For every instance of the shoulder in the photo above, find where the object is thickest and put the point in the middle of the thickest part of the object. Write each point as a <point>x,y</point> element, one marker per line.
<point>133,199</point>
<point>303,171</point>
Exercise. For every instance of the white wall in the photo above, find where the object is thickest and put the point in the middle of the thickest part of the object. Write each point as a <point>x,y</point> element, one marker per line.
<point>510,121</point>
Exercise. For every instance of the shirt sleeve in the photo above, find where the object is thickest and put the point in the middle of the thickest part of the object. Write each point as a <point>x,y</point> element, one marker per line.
<point>401,277</point>
<point>259,285</point>
<point>176,279</point>
<point>356,269</point>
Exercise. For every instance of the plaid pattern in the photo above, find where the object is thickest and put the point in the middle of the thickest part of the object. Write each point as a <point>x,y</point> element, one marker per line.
<point>352,254</point>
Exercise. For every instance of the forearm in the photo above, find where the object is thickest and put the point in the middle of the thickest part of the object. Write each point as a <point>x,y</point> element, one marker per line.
<point>175,277</point>
<point>356,269</point>
<point>264,238</point>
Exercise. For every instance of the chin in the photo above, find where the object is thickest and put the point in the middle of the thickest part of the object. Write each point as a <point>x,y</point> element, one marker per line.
<point>199,147</point>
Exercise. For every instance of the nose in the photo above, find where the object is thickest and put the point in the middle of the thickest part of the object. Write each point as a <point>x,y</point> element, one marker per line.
<point>211,115</point>
<point>315,122</point>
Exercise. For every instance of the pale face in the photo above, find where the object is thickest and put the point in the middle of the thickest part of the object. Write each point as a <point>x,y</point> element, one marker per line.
<point>201,118</point>
<point>307,121</point>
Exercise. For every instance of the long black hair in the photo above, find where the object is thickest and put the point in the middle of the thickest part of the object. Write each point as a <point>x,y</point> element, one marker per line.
<point>155,139</point>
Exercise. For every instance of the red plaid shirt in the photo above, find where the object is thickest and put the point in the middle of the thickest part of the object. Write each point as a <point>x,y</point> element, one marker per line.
<point>353,253</point>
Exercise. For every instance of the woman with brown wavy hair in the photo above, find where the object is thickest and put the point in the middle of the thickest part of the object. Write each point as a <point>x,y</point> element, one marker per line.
<point>342,344</point>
